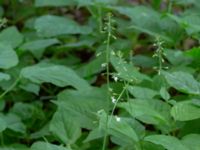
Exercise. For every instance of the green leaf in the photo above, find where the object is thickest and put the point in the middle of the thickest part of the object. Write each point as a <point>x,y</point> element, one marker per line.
<point>37,47</point>
<point>31,87</point>
<point>196,102</point>
<point>183,82</point>
<point>41,3</point>
<point>83,105</point>
<point>11,36</point>
<point>118,127</point>
<point>141,17</point>
<point>127,71</point>
<point>3,125</point>
<point>65,128</point>
<point>147,111</point>
<point>164,93</point>
<point>45,26</point>
<point>142,92</point>
<point>14,123</point>
<point>56,74</point>
<point>192,141</point>
<point>8,57</point>
<point>4,76</point>
<point>168,142</point>
<point>93,67</point>
<point>184,111</point>
<point>47,146</point>
<point>27,111</point>
<point>190,22</point>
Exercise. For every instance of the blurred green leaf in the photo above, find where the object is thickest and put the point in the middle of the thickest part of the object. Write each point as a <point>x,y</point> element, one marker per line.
<point>168,142</point>
<point>65,128</point>
<point>11,36</point>
<point>184,111</point>
<point>8,57</point>
<point>47,146</point>
<point>183,82</point>
<point>45,26</point>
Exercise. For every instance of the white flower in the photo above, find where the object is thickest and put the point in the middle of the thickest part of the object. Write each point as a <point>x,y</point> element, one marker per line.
<point>98,54</point>
<point>103,65</point>
<point>113,100</point>
<point>115,78</point>
<point>100,111</point>
<point>118,119</point>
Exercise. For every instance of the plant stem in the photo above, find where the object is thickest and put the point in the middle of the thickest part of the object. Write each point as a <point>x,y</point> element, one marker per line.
<point>10,88</point>
<point>115,105</point>
<point>2,139</point>
<point>109,28</point>
<point>170,6</point>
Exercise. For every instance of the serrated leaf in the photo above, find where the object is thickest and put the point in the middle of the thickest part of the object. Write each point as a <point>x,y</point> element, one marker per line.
<point>168,142</point>
<point>11,36</point>
<point>184,111</point>
<point>8,57</point>
<point>45,26</point>
<point>56,74</point>
<point>65,128</point>
<point>183,82</point>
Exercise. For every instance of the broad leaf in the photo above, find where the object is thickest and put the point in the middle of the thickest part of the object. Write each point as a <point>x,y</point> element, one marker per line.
<point>56,74</point>
<point>37,47</point>
<point>142,92</point>
<point>183,82</point>
<point>147,111</point>
<point>14,123</point>
<point>45,26</point>
<point>168,142</point>
<point>4,76</point>
<point>41,3</point>
<point>192,141</point>
<point>11,36</point>
<point>184,111</point>
<point>46,146</point>
<point>8,57</point>
<point>127,71</point>
<point>83,105</point>
<point>3,124</point>
<point>118,127</point>
<point>65,128</point>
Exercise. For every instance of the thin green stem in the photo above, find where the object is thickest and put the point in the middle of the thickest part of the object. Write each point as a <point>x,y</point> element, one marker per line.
<point>100,19</point>
<point>2,139</point>
<point>170,6</point>
<point>109,29</point>
<point>10,88</point>
<point>115,104</point>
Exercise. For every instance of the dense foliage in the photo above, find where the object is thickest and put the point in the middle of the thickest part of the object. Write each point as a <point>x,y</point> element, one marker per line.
<point>99,75</point>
